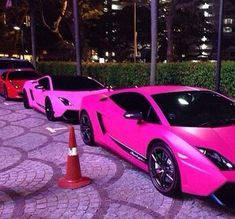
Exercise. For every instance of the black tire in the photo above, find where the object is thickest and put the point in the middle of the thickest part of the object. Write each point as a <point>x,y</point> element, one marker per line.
<point>5,93</point>
<point>86,129</point>
<point>163,170</point>
<point>49,110</point>
<point>26,100</point>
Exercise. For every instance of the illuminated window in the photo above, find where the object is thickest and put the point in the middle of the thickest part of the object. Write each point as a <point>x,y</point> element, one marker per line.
<point>204,39</point>
<point>228,29</point>
<point>116,7</point>
<point>204,6</point>
<point>203,46</point>
<point>165,1</point>
<point>228,21</point>
<point>206,14</point>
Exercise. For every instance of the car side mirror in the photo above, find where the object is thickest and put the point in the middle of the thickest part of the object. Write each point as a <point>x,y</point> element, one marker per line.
<point>134,115</point>
<point>103,97</point>
<point>39,87</point>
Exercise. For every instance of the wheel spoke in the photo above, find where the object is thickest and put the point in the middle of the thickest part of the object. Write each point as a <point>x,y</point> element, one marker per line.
<point>84,121</point>
<point>86,129</point>
<point>169,177</point>
<point>164,158</point>
<point>156,162</point>
<point>163,180</point>
<point>86,135</point>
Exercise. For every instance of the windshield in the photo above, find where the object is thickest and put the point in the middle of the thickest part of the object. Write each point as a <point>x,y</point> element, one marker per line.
<point>75,84</point>
<point>22,75</point>
<point>196,109</point>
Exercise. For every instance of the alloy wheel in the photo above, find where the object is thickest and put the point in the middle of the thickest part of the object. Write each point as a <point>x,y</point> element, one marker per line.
<point>163,170</point>
<point>49,111</point>
<point>25,100</point>
<point>86,129</point>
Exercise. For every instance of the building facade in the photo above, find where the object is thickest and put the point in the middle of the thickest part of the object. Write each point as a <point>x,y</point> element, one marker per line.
<point>208,45</point>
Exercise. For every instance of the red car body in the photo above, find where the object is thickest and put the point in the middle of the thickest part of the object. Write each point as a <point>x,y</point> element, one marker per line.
<point>12,82</point>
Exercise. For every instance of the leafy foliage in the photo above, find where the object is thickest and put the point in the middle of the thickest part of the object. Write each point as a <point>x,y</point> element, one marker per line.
<point>54,22</point>
<point>127,74</point>
<point>14,16</point>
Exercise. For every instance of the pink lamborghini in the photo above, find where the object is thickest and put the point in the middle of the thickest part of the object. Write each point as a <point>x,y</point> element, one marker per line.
<point>182,136</point>
<point>59,96</point>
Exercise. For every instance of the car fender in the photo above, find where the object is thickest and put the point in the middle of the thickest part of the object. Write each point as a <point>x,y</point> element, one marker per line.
<point>196,171</point>
<point>57,105</point>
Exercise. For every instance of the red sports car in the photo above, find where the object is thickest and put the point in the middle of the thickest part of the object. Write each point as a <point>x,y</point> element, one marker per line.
<point>12,82</point>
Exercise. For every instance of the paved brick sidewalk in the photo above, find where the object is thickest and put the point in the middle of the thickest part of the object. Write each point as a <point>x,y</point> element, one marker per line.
<point>33,155</point>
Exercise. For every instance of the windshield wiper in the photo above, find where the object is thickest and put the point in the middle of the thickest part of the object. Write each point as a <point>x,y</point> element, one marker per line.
<point>218,122</point>
<point>230,121</point>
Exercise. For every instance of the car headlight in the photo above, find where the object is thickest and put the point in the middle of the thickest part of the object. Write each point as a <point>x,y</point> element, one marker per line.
<point>220,161</point>
<point>65,101</point>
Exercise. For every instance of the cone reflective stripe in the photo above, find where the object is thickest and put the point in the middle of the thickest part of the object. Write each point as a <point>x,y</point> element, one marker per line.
<point>73,178</point>
<point>73,152</point>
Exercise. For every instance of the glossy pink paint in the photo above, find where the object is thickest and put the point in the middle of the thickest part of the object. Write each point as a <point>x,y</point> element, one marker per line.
<point>198,174</point>
<point>37,97</point>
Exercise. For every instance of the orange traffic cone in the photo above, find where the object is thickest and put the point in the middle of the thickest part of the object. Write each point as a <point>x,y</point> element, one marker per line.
<point>73,178</point>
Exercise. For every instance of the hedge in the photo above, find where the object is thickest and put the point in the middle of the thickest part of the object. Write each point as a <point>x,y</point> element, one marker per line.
<point>200,74</point>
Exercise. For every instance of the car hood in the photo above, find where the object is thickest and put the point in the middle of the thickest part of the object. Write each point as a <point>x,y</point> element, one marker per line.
<point>220,139</point>
<point>19,83</point>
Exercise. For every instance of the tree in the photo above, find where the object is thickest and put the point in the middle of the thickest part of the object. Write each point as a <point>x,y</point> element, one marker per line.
<point>59,23</point>
<point>54,22</point>
<point>11,17</point>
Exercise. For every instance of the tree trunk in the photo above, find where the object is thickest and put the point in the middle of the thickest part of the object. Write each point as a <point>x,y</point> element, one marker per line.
<point>169,30</point>
<point>55,27</point>
<point>154,10</point>
<point>33,32</point>
<point>77,36</point>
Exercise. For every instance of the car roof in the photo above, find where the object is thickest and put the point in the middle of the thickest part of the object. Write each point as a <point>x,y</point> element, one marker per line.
<point>13,59</point>
<point>19,69</point>
<point>9,63</point>
<point>157,89</point>
<point>69,77</point>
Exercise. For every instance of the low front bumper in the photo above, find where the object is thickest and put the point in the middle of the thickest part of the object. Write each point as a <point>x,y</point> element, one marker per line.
<point>225,195</point>
<point>17,94</point>
<point>71,115</point>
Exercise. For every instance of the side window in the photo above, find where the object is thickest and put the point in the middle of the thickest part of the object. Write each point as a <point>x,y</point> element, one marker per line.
<point>45,83</point>
<point>135,102</point>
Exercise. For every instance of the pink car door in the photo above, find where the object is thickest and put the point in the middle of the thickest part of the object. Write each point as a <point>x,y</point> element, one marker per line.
<point>40,91</point>
<point>129,122</point>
